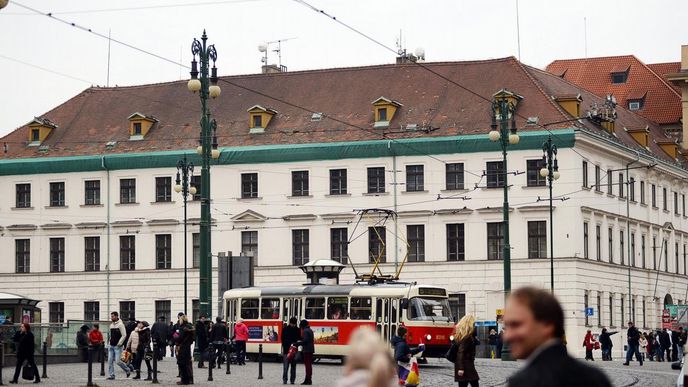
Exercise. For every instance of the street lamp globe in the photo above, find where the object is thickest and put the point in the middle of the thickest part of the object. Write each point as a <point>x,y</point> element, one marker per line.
<point>494,135</point>
<point>178,188</point>
<point>192,190</point>
<point>194,85</point>
<point>544,172</point>
<point>215,154</point>
<point>513,139</point>
<point>214,91</point>
<point>556,175</point>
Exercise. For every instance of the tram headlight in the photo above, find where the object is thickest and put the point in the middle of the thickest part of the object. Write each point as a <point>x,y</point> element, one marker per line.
<point>428,337</point>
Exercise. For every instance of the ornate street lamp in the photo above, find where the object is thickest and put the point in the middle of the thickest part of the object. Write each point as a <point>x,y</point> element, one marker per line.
<point>503,108</point>
<point>206,86</point>
<point>550,170</point>
<point>183,186</point>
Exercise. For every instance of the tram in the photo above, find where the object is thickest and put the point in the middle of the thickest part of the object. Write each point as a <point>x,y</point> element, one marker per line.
<point>334,311</point>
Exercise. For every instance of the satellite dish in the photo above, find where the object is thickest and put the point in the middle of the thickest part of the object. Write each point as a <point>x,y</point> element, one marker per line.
<point>420,52</point>
<point>261,47</point>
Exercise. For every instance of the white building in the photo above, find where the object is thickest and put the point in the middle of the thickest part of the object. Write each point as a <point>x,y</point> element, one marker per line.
<point>90,222</point>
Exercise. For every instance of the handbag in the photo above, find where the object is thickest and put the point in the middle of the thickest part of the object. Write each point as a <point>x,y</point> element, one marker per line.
<point>452,352</point>
<point>28,372</point>
<point>147,354</point>
<point>126,357</point>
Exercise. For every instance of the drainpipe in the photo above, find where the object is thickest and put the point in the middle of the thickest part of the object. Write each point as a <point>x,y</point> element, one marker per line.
<point>628,234</point>
<point>396,225</point>
<point>107,220</point>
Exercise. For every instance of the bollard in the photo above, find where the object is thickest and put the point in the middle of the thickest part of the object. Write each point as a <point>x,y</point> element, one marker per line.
<point>227,353</point>
<point>210,361</point>
<point>45,360</point>
<point>89,383</point>
<point>101,350</point>
<point>260,361</point>
<point>2,359</point>
<point>155,362</point>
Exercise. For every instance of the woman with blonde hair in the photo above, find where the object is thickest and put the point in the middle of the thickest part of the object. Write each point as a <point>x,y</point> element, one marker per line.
<point>464,364</point>
<point>369,363</point>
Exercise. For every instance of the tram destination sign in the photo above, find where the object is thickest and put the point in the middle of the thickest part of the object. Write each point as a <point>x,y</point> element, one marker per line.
<point>432,292</point>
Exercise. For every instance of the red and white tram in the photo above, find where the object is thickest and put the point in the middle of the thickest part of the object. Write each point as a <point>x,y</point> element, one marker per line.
<point>334,311</point>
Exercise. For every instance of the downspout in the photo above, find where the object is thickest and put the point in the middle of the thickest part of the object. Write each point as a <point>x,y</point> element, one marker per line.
<point>631,303</point>
<point>396,223</point>
<point>107,221</point>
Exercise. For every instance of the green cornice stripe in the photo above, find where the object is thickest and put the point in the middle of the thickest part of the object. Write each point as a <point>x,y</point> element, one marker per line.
<point>563,138</point>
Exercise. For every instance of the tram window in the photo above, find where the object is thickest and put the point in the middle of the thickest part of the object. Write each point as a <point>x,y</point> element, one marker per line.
<point>395,306</point>
<point>315,308</point>
<point>429,309</point>
<point>249,308</point>
<point>269,308</point>
<point>231,310</point>
<point>361,308</point>
<point>337,308</point>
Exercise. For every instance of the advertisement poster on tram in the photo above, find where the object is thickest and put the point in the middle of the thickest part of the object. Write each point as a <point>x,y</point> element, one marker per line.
<point>263,333</point>
<point>326,335</point>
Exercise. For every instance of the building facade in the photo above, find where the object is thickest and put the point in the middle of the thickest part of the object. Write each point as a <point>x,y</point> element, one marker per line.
<point>91,223</point>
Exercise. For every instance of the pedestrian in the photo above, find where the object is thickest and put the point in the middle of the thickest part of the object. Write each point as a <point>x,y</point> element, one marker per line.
<point>290,335</point>
<point>675,338</point>
<point>464,363</point>
<point>606,344</point>
<point>184,337</point>
<point>650,349</point>
<point>643,345</point>
<point>368,363</point>
<point>129,326</point>
<point>170,332</point>
<point>218,336</point>
<point>118,334</point>
<point>665,344</point>
<point>95,339</point>
<point>307,344</point>
<point>241,337</point>
<point>82,343</point>
<point>492,342</point>
<point>402,351</point>
<point>534,327</point>
<point>24,341</point>
<point>683,336</point>
<point>159,333</point>
<point>201,340</point>
<point>633,339</point>
<point>589,344</point>
<point>131,347</point>
<point>500,343</point>
<point>139,344</point>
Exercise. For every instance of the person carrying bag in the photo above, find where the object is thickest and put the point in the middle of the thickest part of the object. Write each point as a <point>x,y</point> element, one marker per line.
<point>25,347</point>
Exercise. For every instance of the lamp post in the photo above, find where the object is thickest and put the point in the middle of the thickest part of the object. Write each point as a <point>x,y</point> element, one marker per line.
<point>183,186</point>
<point>206,86</point>
<point>550,170</point>
<point>504,108</point>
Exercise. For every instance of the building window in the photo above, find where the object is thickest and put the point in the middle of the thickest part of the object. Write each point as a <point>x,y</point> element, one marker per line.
<point>337,181</point>
<point>249,185</point>
<point>495,174</point>
<point>631,189</point>
<point>35,135</point>
<point>676,257</point>
<point>196,250</point>
<point>257,121</point>
<point>664,199</point>
<point>456,242</point>
<point>22,248</point>
<point>127,252</point>
<point>127,310</point>
<point>376,180</point>
<point>598,242</point>
<point>454,176</point>
<point>620,77</point>
<point>163,251</point>
<point>92,253</point>
<point>585,174</point>
<point>623,309</point>
<point>610,245</point>
<point>137,128</point>
<point>676,208</point>
<point>684,259</point>
<point>495,240</point>
<point>586,305</point>
<point>599,309</point>
<point>414,178</point>
<point>611,310</point>
<point>598,182</point>
<point>621,247</point>
<point>654,253</point>
<point>631,258</point>
<point>91,311</point>
<point>339,245</point>
<point>163,308</point>
<point>636,104</point>
<point>57,255</point>
<point>666,256</point>
<point>415,235</point>
<point>299,247</point>
<point>457,305</point>
<point>585,240</point>
<point>23,192</point>
<point>377,237</point>
<point>642,251</point>
<point>57,194</point>
<point>644,312</point>
<point>195,181</point>
<point>533,174</point>
<point>621,185</point>
<point>249,243</point>
<point>56,312</point>
<point>382,114</point>
<point>92,192</point>
<point>642,192</point>
<point>537,239</point>
<point>653,195</point>
<point>127,191</point>
<point>683,204</point>
<point>299,183</point>
<point>163,189</point>
<point>610,183</point>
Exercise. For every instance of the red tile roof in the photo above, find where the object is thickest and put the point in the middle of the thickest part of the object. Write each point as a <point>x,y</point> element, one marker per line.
<point>662,69</point>
<point>97,116</point>
<point>662,102</point>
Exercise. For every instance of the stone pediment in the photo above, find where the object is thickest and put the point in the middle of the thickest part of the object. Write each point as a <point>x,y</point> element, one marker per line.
<point>249,216</point>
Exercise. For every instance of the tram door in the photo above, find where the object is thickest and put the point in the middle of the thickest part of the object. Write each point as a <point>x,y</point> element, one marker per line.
<point>292,308</point>
<point>383,318</point>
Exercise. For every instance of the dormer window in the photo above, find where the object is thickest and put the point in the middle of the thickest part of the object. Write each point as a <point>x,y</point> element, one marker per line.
<point>385,109</point>
<point>636,100</point>
<point>620,73</point>
<point>35,135</point>
<point>259,118</point>
<point>139,125</point>
<point>39,129</point>
<point>137,128</point>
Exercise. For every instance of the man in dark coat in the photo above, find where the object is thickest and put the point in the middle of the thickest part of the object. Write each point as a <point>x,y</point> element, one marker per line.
<point>24,341</point>
<point>219,336</point>
<point>159,334</point>
<point>665,344</point>
<point>675,339</point>
<point>82,343</point>
<point>184,339</point>
<point>290,335</point>
<point>606,344</point>
<point>633,336</point>
<point>201,340</point>
<point>534,327</point>
<point>130,325</point>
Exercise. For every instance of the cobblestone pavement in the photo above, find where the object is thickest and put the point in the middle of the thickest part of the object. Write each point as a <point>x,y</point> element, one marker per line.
<point>438,372</point>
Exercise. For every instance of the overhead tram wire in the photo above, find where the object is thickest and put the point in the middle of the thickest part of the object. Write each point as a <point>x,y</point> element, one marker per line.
<point>143,8</point>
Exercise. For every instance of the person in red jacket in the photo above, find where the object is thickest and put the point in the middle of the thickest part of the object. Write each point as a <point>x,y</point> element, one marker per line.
<point>589,344</point>
<point>95,336</point>
<point>241,337</point>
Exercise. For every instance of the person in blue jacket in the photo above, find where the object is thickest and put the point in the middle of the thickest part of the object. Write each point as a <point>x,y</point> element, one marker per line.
<point>402,351</point>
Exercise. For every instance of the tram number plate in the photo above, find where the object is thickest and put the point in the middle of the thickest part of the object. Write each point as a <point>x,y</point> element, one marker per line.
<point>432,292</point>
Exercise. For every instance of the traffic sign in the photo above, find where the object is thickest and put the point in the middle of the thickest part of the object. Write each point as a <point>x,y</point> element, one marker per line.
<point>589,311</point>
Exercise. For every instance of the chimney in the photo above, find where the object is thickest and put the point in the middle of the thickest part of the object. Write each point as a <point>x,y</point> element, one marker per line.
<point>681,79</point>
<point>271,69</point>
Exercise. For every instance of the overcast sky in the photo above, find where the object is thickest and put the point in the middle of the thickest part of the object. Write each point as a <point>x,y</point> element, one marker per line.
<point>447,30</point>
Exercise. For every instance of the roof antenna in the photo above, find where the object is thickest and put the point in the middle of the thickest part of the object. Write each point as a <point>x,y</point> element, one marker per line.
<point>265,48</point>
<point>518,33</point>
<point>585,35</point>
<point>107,83</point>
